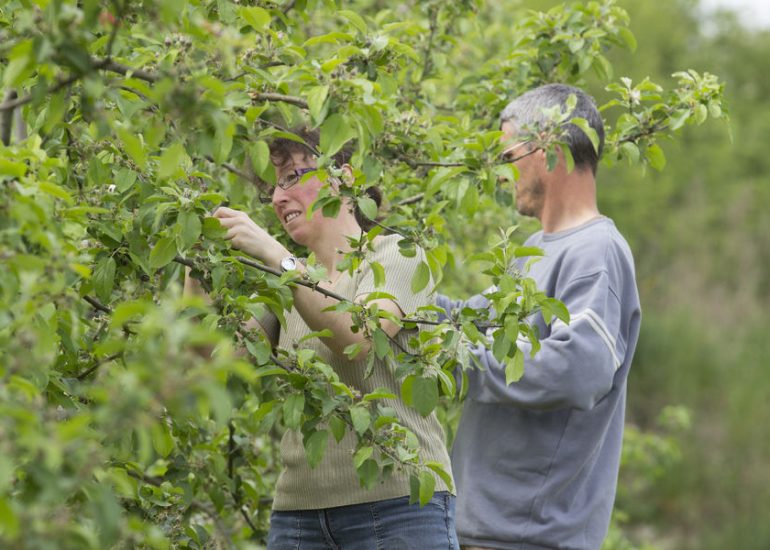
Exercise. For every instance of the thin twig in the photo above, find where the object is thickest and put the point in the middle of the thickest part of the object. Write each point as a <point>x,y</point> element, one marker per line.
<point>288,7</point>
<point>280,128</point>
<point>115,67</point>
<point>99,362</point>
<point>418,163</point>
<point>231,168</point>
<point>308,284</point>
<point>411,200</point>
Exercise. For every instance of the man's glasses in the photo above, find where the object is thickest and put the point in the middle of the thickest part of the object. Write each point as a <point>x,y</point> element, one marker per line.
<point>288,181</point>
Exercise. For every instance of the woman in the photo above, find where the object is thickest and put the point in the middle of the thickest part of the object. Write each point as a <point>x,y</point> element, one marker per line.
<point>326,507</point>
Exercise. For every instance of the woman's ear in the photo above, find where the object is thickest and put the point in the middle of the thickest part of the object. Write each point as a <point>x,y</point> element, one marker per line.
<point>347,175</point>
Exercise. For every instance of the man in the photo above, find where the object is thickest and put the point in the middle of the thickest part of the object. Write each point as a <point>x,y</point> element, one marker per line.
<point>536,462</point>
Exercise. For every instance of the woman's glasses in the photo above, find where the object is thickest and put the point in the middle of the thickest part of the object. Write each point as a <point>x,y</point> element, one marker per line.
<point>288,181</point>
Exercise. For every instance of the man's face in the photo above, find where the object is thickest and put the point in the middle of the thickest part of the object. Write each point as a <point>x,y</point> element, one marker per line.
<point>530,190</point>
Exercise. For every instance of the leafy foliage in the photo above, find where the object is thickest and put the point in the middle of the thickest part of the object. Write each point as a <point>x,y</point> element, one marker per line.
<point>119,428</point>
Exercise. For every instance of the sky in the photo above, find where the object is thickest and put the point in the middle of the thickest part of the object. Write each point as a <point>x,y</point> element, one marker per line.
<point>754,13</point>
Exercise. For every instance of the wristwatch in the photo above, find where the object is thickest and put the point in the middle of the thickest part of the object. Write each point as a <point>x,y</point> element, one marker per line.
<point>289,263</point>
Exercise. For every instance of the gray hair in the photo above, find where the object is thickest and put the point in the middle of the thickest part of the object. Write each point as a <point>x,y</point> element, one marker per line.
<point>526,112</point>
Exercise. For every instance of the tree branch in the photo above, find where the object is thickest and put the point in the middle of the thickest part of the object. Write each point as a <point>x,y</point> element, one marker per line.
<point>97,304</point>
<point>115,67</point>
<point>427,61</point>
<point>6,118</point>
<point>106,64</point>
<point>418,163</point>
<point>19,101</point>
<point>292,100</point>
<point>119,11</point>
<point>99,362</point>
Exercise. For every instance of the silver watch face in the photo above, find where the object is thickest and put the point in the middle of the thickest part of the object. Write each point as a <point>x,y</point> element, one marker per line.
<point>289,263</point>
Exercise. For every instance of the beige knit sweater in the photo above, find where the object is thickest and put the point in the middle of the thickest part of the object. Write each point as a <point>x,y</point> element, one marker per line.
<point>334,481</point>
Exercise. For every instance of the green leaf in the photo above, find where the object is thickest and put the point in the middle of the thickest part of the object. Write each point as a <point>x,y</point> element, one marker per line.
<point>514,367</point>
<point>424,395</point>
<point>588,131</point>
<point>381,343</point>
<point>21,64</point>
<point>555,307</point>
<point>335,132</point>
<point>189,229</point>
<point>316,98</point>
<point>259,153</point>
<point>701,113</point>
<point>630,151</point>
<point>361,456</point>
<point>379,393</point>
<point>427,487</point>
<point>522,251</point>
<point>379,274</point>
<point>257,18</point>
<point>356,20</point>
<point>421,277</point>
<point>9,521</point>
<point>655,156</point>
<point>133,145</point>
<point>368,473</point>
<point>163,253</point>
<point>352,350</point>
<point>127,310</point>
<point>501,346</point>
<point>12,168</point>
<point>212,229</point>
<point>315,447</point>
<point>628,38</point>
<point>438,468</point>
<point>414,489</point>
<point>104,278</point>
<point>368,207</point>
<point>338,427</point>
<point>173,162</point>
<point>162,441</point>
<point>361,419</point>
<point>56,191</point>
<point>293,408</point>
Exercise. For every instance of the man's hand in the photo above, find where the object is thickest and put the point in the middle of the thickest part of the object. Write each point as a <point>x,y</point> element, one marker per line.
<point>247,236</point>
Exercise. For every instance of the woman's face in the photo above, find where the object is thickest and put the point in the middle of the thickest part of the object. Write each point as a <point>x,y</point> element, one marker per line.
<point>291,205</point>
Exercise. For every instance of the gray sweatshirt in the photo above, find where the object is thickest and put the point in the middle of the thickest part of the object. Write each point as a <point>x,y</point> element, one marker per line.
<point>536,462</point>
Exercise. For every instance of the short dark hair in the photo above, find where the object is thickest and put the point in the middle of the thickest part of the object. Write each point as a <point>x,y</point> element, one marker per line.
<point>282,149</point>
<point>527,111</point>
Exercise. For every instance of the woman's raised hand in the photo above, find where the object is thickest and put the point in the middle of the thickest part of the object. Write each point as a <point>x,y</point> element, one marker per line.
<point>247,236</point>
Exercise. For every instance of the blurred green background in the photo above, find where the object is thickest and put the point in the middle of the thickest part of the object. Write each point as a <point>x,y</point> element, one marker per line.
<point>700,232</point>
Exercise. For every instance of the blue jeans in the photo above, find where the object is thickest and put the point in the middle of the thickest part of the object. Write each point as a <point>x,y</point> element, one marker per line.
<point>391,524</point>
